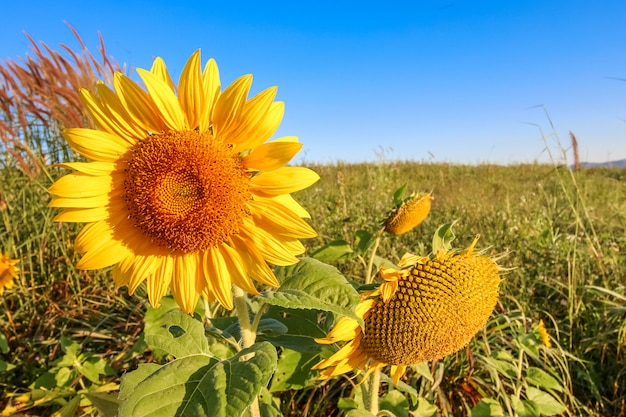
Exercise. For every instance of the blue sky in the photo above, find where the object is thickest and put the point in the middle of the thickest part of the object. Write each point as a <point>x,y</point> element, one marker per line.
<point>446,81</point>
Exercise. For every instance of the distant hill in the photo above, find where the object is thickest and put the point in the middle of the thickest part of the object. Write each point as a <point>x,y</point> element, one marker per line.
<point>617,164</point>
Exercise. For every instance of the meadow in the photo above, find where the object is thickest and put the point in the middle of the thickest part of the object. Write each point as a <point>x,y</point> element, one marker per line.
<point>553,346</point>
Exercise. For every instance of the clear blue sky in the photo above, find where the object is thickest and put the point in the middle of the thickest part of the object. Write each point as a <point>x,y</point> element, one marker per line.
<point>453,81</point>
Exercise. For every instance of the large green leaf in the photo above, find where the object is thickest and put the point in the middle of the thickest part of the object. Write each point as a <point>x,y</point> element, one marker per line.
<point>546,403</point>
<point>542,379</point>
<point>395,402</point>
<point>524,408</point>
<point>199,386</point>
<point>334,251</point>
<point>302,327</point>
<point>487,407</point>
<point>294,370</point>
<point>177,334</point>
<point>311,284</point>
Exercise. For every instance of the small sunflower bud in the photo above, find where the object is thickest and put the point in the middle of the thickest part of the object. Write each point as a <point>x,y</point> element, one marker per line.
<point>409,214</point>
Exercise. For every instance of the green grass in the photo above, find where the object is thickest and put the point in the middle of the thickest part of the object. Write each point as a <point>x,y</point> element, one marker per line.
<point>562,233</point>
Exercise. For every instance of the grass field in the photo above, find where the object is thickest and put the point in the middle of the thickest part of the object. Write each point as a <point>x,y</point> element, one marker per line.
<point>562,233</point>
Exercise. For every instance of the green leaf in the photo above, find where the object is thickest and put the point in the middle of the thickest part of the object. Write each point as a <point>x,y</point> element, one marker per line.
<point>442,240</point>
<point>69,409</point>
<point>4,344</point>
<point>504,368</point>
<point>359,412</point>
<point>524,408</point>
<point>334,251</point>
<point>395,402</point>
<point>542,379</point>
<point>425,409</point>
<point>177,334</point>
<point>302,327</point>
<point>107,403</point>
<point>546,403</point>
<point>311,284</point>
<point>271,328</point>
<point>398,196</point>
<point>5,366</point>
<point>131,380</point>
<point>423,370</point>
<point>487,407</point>
<point>347,404</point>
<point>198,385</point>
<point>293,371</point>
<point>267,405</point>
<point>363,241</point>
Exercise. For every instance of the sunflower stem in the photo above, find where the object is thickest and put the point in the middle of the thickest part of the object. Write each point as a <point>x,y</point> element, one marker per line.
<point>241,309</point>
<point>368,272</point>
<point>374,383</point>
<point>248,334</point>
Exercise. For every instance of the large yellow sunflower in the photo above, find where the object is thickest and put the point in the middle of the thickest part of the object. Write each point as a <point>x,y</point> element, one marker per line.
<point>183,189</point>
<point>426,311</point>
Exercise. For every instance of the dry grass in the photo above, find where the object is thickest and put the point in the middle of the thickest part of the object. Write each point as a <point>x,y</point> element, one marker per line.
<point>39,96</point>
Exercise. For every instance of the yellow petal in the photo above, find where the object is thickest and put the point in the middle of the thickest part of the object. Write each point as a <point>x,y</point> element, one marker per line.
<point>191,91</point>
<point>164,99</point>
<point>83,202</point>
<point>143,269</point>
<point>185,284</point>
<point>289,203</point>
<point>159,282</point>
<point>138,104</point>
<point>115,110</point>
<point>101,117</point>
<point>345,329</point>
<point>285,180</point>
<point>160,70</point>
<point>272,249</point>
<point>91,168</point>
<point>79,185</point>
<point>253,113</point>
<point>274,218</point>
<point>237,269</point>
<point>228,108</point>
<point>106,253</point>
<point>254,261</point>
<point>82,215</point>
<point>217,277</point>
<point>270,156</point>
<point>96,145</point>
<point>211,86</point>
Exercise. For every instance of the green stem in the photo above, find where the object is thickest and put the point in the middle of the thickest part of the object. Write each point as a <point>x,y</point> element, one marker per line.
<point>241,309</point>
<point>373,391</point>
<point>248,334</point>
<point>368,272</point>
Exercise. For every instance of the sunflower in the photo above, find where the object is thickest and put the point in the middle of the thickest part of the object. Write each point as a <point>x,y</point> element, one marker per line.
<point>8,271</point>
<point>429,309</point>
<point>183,190</point>
<point>543,335</point>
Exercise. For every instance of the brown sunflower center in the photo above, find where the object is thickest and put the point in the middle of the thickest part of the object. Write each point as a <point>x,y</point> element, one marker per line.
<point>186,190</point>
<point>436,310</point>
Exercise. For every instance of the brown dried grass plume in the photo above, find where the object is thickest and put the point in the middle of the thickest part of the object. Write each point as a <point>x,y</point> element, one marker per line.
<point>39,96</point>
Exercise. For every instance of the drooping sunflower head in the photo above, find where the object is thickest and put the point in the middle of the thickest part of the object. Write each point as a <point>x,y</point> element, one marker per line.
<point>8,271</point>
<point>426,311</point>
<point>408,214</point>
<point>184,190</point>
